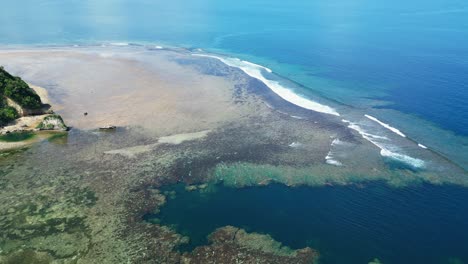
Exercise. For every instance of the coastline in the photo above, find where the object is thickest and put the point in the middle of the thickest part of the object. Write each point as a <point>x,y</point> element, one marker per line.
<point>180,119</point>
<point>28,124</point>
<point>450,150</point>
<point>407,150</point>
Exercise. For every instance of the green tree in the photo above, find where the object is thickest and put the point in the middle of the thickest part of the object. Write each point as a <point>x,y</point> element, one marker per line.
<point>19,91</point>
<point>7,114</point>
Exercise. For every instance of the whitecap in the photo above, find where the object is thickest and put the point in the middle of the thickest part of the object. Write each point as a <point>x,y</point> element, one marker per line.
<point>417,163</point>
<point>255,71</point>
<point>385,148</point>
<point>422,146</point>
<point>387,126</point>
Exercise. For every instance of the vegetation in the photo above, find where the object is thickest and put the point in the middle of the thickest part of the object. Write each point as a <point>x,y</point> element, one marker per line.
<point>52,122</point>
<point>18,91</point>
<point>7,114</point>
<point>17,136</point>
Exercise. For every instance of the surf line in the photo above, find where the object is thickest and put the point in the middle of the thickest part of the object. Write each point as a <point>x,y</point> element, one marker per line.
<point>387,126</point>
<point>255,71</point>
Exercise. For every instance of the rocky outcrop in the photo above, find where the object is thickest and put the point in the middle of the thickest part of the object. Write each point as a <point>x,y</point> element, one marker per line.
<point>52,122</point>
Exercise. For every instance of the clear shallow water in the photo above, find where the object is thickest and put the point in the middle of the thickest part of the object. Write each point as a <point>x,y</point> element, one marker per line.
<point>348,224</point>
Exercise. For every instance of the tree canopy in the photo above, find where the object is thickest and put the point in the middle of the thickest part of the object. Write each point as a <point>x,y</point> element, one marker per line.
<point>17,90</point>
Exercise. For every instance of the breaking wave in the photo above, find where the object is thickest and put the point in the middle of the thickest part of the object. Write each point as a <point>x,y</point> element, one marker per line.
<point>329,159</point>
<point>386,150</point>
<point>387,126</point>
<point>255,71</point>
<point>382,142</point>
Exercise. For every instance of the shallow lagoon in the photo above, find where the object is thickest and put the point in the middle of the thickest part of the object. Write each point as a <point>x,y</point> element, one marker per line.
<point>347,224</point>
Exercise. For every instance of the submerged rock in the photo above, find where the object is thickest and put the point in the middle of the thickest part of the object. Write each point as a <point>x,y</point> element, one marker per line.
<point>234,245</point>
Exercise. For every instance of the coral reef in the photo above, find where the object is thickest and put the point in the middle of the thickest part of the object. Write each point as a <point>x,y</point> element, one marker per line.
<point>233,245</point>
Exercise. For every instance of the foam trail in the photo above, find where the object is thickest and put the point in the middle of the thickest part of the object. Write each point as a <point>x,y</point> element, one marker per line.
<point>329,158</point>
<point>255,71</point>
<point>384,151</point>
<point>387,126</point>
<point>403,158</point>
<point>422,146</point>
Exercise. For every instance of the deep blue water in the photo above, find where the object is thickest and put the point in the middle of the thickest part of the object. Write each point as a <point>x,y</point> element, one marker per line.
<point>348,224</point>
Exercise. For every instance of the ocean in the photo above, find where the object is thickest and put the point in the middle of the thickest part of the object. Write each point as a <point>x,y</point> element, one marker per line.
<point>396,72</point>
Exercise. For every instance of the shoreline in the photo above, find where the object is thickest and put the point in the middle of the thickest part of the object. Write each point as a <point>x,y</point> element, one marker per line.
<point>180,119</point>
<point>429,145</point>
<point>397,149</point>
<point>28,124</point>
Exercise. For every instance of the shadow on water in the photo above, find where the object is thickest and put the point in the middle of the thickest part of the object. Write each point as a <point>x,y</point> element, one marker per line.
<point>347,224</point>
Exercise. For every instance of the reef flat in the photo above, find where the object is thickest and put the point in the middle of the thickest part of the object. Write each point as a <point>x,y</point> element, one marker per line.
<point>81,197</point>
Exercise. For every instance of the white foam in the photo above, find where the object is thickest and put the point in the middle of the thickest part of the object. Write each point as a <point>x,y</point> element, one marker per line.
<point>329,159</point>
<point>119,44</point>
<point>333,162</point>
<point>255,71</point>
<point>384,148</point>
<point>403,158</point>
<point>158,47</point>
<point>422,146</point>
<point>337,141</point>
<point>387,126</point>
<point>295,145</point>
<point>256,65</point>
<point>297,117</point>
